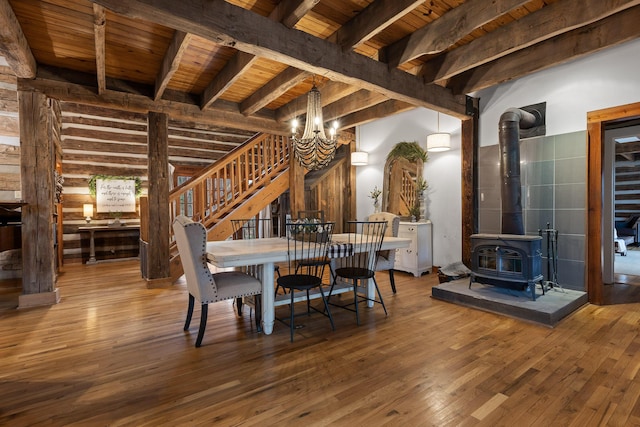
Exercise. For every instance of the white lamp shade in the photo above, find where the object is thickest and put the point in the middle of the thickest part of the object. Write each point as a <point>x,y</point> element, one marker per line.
<point>359,158</point>
<point>87,210</point>
<point>438,142</point>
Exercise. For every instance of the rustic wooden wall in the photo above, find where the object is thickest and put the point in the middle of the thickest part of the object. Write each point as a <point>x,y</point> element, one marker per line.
<point>111,142</point>
<point>9,136</point>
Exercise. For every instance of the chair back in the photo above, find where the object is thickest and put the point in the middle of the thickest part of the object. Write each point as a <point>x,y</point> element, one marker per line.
<point>314,214</point>
<point>252,228</point>
<point>366,237</point>
<point>191,238</point>
<point>309,242</point>
<point>393,227</point>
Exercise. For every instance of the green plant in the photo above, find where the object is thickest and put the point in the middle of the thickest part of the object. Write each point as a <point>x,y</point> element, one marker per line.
<point>421,185</point>
<point>415,211</point>
<point>408,150</point>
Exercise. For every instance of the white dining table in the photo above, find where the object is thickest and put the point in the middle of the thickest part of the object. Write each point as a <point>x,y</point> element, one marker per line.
<point>267,252</point>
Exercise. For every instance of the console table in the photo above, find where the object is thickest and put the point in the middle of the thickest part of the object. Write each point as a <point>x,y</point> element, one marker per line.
<point>92,229</point>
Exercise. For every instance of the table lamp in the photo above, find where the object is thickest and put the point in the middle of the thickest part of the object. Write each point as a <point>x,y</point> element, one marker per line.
<point>87,210</point>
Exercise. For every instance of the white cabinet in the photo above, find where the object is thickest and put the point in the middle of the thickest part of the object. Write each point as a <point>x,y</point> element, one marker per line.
<point>418,257</point>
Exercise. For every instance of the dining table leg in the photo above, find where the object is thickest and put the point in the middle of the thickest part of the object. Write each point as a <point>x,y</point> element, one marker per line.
<point>268,295</point>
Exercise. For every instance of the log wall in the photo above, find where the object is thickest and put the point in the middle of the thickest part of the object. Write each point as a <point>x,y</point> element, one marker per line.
<point>111,142</point>
<point>9,136</point>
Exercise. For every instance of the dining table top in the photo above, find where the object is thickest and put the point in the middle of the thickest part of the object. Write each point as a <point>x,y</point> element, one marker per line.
<point>234,253</point>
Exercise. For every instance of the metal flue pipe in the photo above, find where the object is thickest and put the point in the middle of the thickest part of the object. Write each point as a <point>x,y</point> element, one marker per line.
<point>511,121</point>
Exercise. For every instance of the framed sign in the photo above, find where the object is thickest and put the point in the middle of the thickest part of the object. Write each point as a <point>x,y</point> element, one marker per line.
<point>115,195</point>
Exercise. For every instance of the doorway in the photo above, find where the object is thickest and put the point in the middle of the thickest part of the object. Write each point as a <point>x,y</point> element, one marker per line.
<point>603,285</point>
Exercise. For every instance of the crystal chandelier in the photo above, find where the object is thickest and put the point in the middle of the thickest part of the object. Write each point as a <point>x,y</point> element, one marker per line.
<point>314,150</point>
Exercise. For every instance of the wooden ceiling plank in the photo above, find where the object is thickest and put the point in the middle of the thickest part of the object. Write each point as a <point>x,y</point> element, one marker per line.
<point>273,90</point>
<point>171,61</point>
<point>99,21</point>
<point>13,44</point>
<point>229,25</point>
<point>220,114</point>
<point>374,18</point>
<point>606,33</point>
<point>288,12</point>
<point>447,30</point>
<point>536,27</point>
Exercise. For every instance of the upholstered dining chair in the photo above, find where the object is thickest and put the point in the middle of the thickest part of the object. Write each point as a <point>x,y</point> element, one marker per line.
<point>360,267</point>
<point>309,243</point>
<point>203,285</point>
<point>387,258</point>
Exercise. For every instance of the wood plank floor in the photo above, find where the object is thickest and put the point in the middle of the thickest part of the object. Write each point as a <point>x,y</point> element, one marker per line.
<point>113,353</point>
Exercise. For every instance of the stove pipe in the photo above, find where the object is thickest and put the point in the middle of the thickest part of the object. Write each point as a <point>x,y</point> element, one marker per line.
<point>511,121</point>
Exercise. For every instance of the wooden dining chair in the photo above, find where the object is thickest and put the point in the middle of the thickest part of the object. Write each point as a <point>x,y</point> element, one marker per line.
<point>387,258</point>
<point>252,228</point>
<point>308,243</point>
<point>204,286</point>
<point>358,269</point>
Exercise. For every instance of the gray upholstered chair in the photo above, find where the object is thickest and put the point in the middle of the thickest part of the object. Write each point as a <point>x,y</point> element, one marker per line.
<point>204,286</point>
<point>387,259</point>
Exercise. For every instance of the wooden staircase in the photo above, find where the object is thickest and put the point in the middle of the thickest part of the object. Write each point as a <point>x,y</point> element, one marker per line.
<point>239,185</point>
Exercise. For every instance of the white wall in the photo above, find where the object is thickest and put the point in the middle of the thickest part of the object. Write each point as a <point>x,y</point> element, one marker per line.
<point>602,80</point>
<point>442,172</point>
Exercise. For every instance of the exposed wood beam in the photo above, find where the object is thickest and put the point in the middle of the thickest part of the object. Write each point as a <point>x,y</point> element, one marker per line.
<point>288,12</point>
<point>352,103</point>
<point>229,74</point>
<point>221,114</point>
<point>330,92</point>
<point>552,20</point>
<point>171,61</point>
<point>230,25</point>
<point>608,32</point>
<point>384,109</point>
<point>373,19</point>
<point>13,44</point>
<point>99,22</point>
<point>447,30</point>
<point>276,87</point>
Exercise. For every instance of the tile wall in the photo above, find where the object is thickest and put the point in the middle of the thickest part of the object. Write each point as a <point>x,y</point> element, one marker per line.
<point>553,176</point>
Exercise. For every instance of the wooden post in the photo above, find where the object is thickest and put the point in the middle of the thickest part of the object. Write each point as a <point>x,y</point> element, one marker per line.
<point>158,200</point>
<point>37,166</point>
<point>296,186</point>
<point>469,157</point>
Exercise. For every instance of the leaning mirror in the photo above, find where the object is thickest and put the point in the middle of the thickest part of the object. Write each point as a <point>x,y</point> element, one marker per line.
<point>403,179</point>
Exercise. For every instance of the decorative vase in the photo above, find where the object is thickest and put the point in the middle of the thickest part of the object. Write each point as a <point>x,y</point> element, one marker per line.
<point>376,206</point>
<point>423,207</point>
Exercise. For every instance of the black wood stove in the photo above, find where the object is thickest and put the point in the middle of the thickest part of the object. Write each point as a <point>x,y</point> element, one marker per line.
<point>508,261</point>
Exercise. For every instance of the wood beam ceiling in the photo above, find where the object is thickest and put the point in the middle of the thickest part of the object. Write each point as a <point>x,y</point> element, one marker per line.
<point>13,44</point>
<point>257,35</point>
<point>582,41</point>
<point>447,30</point>
<point>550,21</point>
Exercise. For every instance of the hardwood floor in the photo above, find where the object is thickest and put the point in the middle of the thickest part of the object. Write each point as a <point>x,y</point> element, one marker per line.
<point>113,353</point>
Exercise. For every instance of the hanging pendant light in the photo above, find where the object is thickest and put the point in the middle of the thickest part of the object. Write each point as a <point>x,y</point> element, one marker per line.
<point>439,141</point>
<point>359,157</point>
<point>314,150</point>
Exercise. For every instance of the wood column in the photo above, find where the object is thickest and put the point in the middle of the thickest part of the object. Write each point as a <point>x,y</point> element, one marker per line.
<point>37,165</point>
<point>469,158</point>
<point>158,200</point>
<point>296,186</point>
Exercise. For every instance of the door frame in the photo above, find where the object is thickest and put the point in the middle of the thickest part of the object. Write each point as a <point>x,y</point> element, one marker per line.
<point>596,123</point>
